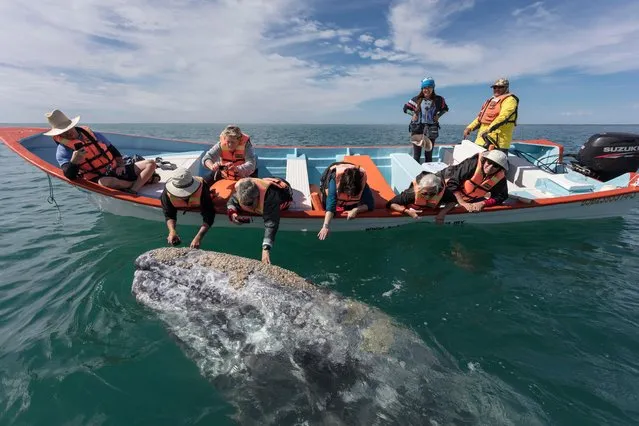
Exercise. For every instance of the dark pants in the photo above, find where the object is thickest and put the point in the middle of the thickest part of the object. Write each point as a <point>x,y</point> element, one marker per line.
<point>428,155</point>
<point>431,131</point>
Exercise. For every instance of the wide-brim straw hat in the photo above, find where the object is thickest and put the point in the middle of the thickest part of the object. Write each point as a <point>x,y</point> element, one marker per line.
<point>59,122</point>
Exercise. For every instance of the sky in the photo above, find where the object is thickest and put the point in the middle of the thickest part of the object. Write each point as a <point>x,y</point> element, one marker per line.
<point>315,61</point>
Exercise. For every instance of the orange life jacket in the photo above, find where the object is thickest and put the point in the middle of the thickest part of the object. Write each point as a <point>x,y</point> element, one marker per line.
<point>479,184</point>
<point>491,108</point>
<point>263,184</point>
<point>235,158</point>
<point>193,202</point>
<point>344,200</point>
<point>98,160</point>
<point>422,201</point>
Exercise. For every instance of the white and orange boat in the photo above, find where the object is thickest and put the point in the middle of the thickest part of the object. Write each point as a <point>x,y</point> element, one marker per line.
<point>601,182</point>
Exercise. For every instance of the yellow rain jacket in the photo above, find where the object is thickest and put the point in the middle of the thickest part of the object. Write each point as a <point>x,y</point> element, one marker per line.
<point>501,128</point>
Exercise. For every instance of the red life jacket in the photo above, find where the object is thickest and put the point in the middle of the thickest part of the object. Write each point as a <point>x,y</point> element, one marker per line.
<point>422,201</point>
<point>98,160</point>
<point>263,184</point>
<point>343,200</point>
<point>491,108</point>
<point>235,158</point>
<point>194,200</point>
<point>479,184</point>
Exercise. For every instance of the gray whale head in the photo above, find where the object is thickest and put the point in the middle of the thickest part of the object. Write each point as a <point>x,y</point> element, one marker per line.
<point>285,352</point>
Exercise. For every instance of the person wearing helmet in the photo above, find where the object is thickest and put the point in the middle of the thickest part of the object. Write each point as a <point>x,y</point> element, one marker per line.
<point>497,118</point>
<point>425,108</point>
<point>427,191</point>
<point>479,181</point>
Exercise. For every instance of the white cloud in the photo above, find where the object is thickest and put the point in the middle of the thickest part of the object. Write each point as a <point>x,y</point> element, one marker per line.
<point>366,38</point>
<point>261,60</point>
<point>534,15</point>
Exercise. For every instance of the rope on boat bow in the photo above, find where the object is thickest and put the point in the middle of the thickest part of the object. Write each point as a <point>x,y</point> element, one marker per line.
<point>51,199</point>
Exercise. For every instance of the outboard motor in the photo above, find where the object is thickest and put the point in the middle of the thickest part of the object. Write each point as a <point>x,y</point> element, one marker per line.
<point>608,155</point>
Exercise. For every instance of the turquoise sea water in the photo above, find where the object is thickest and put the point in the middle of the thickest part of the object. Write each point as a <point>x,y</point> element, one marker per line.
<point>549,309</point>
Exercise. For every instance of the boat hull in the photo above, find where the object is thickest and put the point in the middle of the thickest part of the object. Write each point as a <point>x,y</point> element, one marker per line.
<point>614,205</point>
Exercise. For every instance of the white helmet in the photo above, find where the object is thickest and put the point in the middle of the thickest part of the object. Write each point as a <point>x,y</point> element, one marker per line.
<point>497,157</point>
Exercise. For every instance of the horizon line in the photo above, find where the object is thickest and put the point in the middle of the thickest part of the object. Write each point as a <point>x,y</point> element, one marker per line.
<point>44,125</point>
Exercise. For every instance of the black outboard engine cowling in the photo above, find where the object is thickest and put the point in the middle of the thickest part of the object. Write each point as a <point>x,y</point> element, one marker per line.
<point>608,155</point>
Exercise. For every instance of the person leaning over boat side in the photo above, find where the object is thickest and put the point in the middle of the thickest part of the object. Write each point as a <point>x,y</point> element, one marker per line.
<point>426,109</point>
<point>343,187</point>
<point>233,157</point>
<point>427,191</point>
<point>81,152</point>
<point>472,179</point>
<point>497,118</point>
<point>266,197</point>
<point>186,192</point>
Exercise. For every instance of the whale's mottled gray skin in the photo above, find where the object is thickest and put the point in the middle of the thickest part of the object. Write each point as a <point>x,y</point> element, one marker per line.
<point>285,352</point>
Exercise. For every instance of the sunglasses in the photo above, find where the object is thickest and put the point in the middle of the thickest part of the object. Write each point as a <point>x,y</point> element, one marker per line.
<point>493,164</point>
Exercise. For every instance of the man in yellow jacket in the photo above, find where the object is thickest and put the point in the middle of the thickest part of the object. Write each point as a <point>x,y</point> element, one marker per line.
<point>497,118</point>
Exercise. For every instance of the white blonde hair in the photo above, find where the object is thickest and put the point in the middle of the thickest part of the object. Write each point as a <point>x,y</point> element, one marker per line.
<point>231,131</point>
<point>429,180</point>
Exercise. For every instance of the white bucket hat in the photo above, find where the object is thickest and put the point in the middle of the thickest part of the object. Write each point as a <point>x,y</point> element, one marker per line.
<point>182,184</point>
<point>59,122</point>
<point>497,157</point>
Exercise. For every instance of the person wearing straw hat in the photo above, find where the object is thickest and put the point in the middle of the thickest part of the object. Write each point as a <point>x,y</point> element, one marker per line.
<point>497,118</point>
<point>81,152</point>
<point>184,191</point>
<point>426,108</point>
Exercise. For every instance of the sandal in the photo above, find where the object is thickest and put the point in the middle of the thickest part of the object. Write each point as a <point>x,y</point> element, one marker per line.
<point>165,165</point>
<point>155,178</point>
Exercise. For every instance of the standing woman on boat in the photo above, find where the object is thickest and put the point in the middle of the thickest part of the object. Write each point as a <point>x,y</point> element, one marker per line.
<point>426,108</point>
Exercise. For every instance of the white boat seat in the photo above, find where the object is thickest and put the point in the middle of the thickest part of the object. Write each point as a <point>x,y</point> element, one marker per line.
<point>188,160</point>
<point>464,150</point>
<point>445,154</point>
<point>523,173</point>
<point>297,176</point>
<point>570,184</point>
<point>404,169</point>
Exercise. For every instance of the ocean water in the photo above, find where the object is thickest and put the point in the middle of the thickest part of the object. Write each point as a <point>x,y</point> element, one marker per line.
<point>550,310</point>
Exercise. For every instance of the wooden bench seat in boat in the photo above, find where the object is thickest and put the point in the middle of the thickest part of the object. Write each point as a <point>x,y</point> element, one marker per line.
<point>382,191</point>
<point>297,176</point>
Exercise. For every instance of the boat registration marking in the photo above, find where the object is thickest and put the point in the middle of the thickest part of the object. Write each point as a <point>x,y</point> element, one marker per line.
<point>612,199</point>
